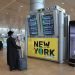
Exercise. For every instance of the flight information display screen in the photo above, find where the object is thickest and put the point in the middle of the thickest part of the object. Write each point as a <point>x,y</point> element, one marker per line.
<point>48,24</point>
<point>33,26</point>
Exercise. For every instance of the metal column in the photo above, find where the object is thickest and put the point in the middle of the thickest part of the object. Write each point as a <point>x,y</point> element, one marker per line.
<point>36,4</point>
<point>61,36</point>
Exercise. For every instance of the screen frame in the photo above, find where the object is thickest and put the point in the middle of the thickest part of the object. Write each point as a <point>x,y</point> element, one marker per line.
<point>71,24</point>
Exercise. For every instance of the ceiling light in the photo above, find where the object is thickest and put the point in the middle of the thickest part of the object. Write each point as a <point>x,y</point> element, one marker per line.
<point>21,16</point>
<point>7,13</point>
<point>71,9</point>
<point>63,3</point>
<point>21,6</point>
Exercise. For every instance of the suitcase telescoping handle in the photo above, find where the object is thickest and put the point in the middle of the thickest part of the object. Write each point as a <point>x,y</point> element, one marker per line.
<point>20,53</point>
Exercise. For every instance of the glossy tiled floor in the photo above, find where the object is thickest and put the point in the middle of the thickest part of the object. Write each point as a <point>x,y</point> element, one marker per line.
<point>37,67</point>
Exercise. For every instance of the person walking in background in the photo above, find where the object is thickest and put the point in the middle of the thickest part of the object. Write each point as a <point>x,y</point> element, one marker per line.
<point>12,52</point>
<point>1,45</point>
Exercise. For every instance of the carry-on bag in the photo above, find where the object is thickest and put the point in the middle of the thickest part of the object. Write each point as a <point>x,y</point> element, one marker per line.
<point>22,61</point>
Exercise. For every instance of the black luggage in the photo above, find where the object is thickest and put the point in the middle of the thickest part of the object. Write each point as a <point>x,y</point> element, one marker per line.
<point>22,61</point>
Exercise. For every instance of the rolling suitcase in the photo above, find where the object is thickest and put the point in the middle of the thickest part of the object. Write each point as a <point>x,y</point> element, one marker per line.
<point>22,61</point>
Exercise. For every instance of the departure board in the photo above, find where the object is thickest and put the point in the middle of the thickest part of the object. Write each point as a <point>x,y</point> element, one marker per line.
<point>48,24</point>
<point>33,26</point>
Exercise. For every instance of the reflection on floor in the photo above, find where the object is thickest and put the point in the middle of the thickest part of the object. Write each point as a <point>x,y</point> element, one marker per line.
<point>37,67</point>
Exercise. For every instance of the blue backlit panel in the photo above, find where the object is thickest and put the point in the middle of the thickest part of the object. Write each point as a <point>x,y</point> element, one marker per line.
<point>48,24</point>
<point>33,26</point>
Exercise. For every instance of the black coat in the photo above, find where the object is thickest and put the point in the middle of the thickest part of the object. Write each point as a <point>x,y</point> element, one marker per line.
<point>12,52</point>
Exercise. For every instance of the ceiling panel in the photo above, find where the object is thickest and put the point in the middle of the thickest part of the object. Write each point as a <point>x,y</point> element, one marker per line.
<point>4,3</point>
<point>13,12</point>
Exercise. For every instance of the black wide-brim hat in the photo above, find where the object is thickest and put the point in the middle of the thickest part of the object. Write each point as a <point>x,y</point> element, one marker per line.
<point>10,33</point>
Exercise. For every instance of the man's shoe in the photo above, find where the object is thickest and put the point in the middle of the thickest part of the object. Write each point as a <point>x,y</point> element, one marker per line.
<point>11,69</point>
